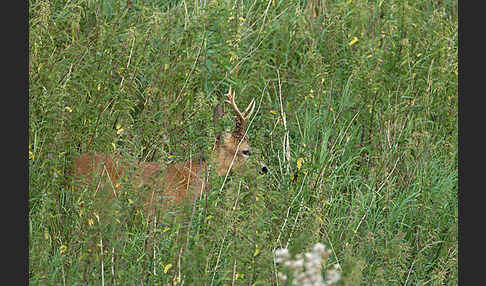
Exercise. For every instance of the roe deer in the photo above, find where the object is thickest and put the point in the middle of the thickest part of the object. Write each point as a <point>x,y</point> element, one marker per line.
<point>161,184</point>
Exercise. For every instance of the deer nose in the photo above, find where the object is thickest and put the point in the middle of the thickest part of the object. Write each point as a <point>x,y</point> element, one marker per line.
<point>246,152</point>
<point>263,169</point>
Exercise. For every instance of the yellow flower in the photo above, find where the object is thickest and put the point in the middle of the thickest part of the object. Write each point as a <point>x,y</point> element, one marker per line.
<point>119,130</point>
<point>299,163</point>
<point>238,275</point>
<point>257,251</point>
<point>167,267</point>
<point>31,155</point>
<point>353,41</point>
<point>68,109</point>
<point>90,222</point>
<point>62,249</point>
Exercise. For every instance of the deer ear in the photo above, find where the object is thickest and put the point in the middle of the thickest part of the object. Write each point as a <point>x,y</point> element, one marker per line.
<point>217,114</point>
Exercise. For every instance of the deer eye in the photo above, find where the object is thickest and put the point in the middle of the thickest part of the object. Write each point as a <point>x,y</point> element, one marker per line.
<point>246,152</point>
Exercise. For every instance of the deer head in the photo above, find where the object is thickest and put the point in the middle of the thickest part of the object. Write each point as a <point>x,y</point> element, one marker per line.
<point>233,150</point>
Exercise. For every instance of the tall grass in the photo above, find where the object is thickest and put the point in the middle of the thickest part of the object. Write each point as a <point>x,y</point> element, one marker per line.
<point>356,119</point>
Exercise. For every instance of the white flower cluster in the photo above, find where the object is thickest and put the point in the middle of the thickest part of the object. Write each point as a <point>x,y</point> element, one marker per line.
<point>306,269</point>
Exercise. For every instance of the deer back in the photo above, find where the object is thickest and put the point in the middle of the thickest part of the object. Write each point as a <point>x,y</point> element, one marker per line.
<point>154,182</point>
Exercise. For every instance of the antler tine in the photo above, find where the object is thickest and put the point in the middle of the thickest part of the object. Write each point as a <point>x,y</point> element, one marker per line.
<point>252,105</point>
<point>231,100</point>
<point>241,118</point>
<point>243,115</point>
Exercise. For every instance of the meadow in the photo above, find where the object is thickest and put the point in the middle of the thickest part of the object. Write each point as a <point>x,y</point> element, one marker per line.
<point>356,119</point>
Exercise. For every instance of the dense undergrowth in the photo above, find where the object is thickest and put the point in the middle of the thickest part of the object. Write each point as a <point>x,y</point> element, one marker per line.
<point>356,119</point>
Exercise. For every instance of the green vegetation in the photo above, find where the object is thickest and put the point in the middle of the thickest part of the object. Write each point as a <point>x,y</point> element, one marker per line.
<point>356,118</point>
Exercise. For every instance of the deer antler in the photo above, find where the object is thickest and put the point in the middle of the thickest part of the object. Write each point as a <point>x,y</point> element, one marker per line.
<point>241,117</point>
